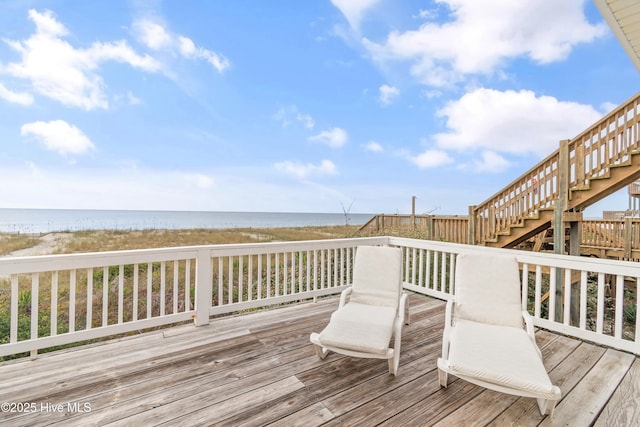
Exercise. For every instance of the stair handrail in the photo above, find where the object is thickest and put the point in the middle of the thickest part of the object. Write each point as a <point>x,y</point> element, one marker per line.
<point>607,142</point>
<point>618,141</point>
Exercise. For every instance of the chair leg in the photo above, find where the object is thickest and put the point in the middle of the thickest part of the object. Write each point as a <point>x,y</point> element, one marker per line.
<point>546,406</point>
<point>407,318</point>
<point>443,378</point>
<point>321,352</point>
<point>394,362</point>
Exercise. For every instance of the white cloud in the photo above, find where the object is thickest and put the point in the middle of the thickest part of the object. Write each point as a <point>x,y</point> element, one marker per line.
<point>64,73</point>
<point>198,180</point>
<point>511,122</point>
<point>152,35</point>
<point>149,189</point>
<point>306,120</point>
<point>479,36</point>
<point>290,113</point>
<point>491,162</point>
<point>353,10</point>
<point>133,100</point>
<point>38,187</point>
<point>58,136</point>
<point>431,158</point>
<point>15,97</point>
<point>373,146</point>
<point>156,37</point>
<point>301,170</point>
<point>335,137</point>
<point>388,94</point>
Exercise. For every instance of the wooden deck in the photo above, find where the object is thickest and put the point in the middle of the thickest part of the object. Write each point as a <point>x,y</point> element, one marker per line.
<point>260,369</point>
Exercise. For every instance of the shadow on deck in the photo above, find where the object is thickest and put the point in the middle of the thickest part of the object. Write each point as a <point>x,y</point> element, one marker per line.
<point>260,369</point>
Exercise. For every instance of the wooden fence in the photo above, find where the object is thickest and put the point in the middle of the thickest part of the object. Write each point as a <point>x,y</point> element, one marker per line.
<point>431,227</point>
<point>605,238</point>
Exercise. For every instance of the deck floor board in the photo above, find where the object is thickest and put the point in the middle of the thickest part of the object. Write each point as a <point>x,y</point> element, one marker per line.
<point>260,369</point>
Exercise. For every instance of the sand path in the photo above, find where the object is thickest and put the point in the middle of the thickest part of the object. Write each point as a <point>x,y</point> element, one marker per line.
<point>48,244</point>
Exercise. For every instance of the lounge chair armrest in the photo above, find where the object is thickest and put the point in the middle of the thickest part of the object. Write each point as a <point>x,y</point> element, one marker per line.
<point>448,312</point>
<point>528,323</point>
<point>448,322</point>
<point>402,308</point>
<point>344,295</point>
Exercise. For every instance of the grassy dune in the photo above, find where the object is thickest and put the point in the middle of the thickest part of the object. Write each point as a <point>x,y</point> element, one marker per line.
<point>113,240</point>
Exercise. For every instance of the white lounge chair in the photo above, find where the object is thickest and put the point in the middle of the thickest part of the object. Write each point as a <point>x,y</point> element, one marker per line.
<point>371,310</point>
<point>485,341</point>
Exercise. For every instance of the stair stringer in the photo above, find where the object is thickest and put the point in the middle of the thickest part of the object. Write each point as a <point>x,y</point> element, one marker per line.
<point>599,187</point>
<point>518,233</point>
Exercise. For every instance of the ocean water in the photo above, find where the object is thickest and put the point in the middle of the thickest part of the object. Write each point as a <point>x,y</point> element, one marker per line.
<point>49,220</point>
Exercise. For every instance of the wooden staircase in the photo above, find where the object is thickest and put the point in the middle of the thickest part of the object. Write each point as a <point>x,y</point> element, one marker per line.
<point>584,170</point>
<point>618,177</point>
<point>522,231</point>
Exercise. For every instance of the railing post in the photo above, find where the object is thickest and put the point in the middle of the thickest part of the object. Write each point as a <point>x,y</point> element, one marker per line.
<point>471,225</point>
<point>563,173</point>
<point>492,223</point>
<point>558,247</point>
<point>413,213</point>
<point>204,287</point>
<point>627,237</point>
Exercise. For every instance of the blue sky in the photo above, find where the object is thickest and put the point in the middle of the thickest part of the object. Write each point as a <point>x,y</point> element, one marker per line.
<point>302,106</point>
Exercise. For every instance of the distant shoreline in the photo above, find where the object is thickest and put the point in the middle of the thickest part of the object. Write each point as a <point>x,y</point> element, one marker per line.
<point>35,221</point>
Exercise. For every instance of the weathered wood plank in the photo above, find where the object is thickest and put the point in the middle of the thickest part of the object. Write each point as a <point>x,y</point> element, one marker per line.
<point>482,408</point>
<point>624,407</point>
<point>117,368</point>
<point>583,404</point>
<point>436,404</point>
<point>217,385</point>
<point>260,368</point>
<point>386,396</point>
<point>226,362</point>
<point>199,410</point>
<point>377,387</point>
<point>310,416</point>
<point>156,342</point>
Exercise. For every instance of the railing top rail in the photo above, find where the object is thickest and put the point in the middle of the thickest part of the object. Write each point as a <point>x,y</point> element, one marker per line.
<point>16,265</point>
<point>613,220</point>
<point>368,223</point>
<point>421,216</point>
<point>608,266</point>
<point>519,179</point>
<point>605,118</point>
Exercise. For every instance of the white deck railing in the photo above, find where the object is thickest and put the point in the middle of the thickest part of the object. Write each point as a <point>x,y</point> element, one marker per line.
<point>48,301</point>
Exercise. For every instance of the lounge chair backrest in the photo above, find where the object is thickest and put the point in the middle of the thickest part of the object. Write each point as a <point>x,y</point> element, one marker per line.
<point>487,289</point>
<point>377,276</point>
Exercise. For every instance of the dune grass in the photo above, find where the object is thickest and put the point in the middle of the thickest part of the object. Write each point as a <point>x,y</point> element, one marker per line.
<point>10,242</point>
<point>113,240</point>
